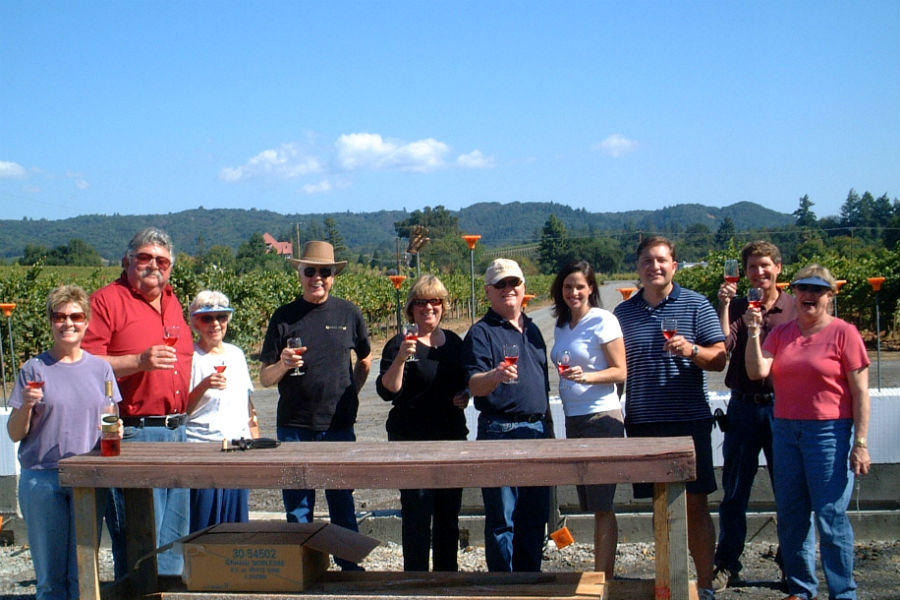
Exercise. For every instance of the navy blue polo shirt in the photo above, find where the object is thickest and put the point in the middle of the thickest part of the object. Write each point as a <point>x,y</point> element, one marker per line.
<point>483,351</point>
<point>663,387</point>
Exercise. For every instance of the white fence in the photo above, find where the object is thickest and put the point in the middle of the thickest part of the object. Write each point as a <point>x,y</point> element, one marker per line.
<point>884,428</point>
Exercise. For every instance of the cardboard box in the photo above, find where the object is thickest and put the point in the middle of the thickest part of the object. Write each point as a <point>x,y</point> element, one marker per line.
<point>266,556</point>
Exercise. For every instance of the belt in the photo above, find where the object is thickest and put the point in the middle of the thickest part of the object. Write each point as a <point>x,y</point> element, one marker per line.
<point>761,398</point>
<point>167,421</point>
<point>533,418</point>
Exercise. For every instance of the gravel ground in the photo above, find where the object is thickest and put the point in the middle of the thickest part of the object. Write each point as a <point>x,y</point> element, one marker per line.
<point>877,568</point>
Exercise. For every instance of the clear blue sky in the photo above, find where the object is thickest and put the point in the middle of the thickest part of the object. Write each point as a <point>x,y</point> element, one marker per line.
<point>143,107</point>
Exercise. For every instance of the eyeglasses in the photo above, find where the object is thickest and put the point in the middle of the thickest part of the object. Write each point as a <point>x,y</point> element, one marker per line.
<point>76,317</point>
<point>207,319</point>
<point>324,272</point>
<point>144,258</point>
<point>508,282</point>
<point>428,302</point>
<point>808,287</point>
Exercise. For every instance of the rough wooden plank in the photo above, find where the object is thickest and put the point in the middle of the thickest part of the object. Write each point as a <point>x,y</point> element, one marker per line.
<point>388,465</point>
<point>85,505</point>
<point>670,531</point>
<point>442,586</point>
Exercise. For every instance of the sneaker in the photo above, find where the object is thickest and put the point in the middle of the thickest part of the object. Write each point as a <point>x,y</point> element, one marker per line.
<point>705,594</point>
<point>724,578</point>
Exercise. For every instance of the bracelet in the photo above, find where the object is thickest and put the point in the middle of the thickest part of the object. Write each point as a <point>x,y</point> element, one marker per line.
<point>754,337</point>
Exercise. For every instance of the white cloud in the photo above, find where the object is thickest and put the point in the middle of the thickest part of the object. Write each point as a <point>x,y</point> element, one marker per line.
<point>616,145</point>
<point>351,152</point>
<point>317,188</point>
<point>475,160</point>
<point>284,162</point>
<point>11,169</point>
<point>370,151</point>
<point>80,182</point>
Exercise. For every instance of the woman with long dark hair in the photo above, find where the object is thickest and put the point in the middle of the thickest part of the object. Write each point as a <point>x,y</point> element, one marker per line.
<point>589,353</point>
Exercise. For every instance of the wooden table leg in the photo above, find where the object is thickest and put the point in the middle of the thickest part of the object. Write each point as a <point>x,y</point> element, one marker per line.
<point>140,527</point>
<point>86,543</point>
<point>670,531</point>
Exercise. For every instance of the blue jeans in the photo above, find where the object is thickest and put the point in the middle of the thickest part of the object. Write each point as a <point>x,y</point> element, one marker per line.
<point>813,477</point>
<point>50,518</point>
<point>749,431</point>
<point>299,504</point>
<point>171,509</point>
<point>514,517</point>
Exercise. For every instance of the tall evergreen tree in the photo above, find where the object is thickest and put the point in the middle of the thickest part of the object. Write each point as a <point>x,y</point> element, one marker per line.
<point>554,244</point>
<point>334,237</point>
<point>806,218</point>
<point>725,233</point>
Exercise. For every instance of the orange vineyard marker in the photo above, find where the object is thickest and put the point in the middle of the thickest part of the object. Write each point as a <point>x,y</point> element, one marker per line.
<point>562,537</point>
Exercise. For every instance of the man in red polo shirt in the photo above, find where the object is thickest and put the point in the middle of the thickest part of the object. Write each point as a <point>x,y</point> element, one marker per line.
<point>130,317</point>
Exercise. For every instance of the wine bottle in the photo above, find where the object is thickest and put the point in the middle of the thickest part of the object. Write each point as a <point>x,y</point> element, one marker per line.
<point>110,444</point>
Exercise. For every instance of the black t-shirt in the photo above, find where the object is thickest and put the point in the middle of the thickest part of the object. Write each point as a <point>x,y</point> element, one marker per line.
<point>326,397</point>
<point>423,408</point>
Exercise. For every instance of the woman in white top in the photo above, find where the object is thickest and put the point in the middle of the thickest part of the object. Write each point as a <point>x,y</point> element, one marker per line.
<point>218,405</point>
<point>589,353</point>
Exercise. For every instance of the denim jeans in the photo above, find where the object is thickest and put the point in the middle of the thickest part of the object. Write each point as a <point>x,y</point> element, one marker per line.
<point>171,509</point>
<point>50,518</point>
<point>514,517</point>
<point>300,504</point>
<point>749,431</point>
<point>419,508</point>
<point>813,483</point>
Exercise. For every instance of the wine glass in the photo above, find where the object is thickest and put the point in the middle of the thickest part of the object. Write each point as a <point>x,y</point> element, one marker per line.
<point>732,270</point>
<point>755,297</point>
<point>220,368</point>
<point>563,363</point>
<point>35,379</point>
<point>411,332</point>
<point>669,326</point>
<point>296,343</point>
<point>170,334</point>
<point>511,357</point>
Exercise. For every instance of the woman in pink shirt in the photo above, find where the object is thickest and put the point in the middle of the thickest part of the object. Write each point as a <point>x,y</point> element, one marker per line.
<point>819,368</point>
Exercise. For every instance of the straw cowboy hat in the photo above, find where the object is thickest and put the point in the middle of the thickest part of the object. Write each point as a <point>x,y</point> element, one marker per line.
<point>319,254</point>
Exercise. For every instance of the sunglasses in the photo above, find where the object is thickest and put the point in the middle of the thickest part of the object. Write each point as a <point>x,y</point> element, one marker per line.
<point>207,319</point>
<point>144,258</point>
<point>428,302</point>
<point>808,287</point>
<point>324,272</point>
<point>76,317</point>
<point>508,282</point>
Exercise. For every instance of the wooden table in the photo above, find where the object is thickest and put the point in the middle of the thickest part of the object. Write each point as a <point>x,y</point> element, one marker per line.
<point>668,462</point>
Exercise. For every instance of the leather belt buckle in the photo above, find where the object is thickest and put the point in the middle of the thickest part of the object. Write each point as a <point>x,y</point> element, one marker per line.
<point>532,418</point>
<point>175,421</point>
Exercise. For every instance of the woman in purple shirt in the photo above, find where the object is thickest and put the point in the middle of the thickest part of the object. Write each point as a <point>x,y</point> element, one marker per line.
<point>57,403</point>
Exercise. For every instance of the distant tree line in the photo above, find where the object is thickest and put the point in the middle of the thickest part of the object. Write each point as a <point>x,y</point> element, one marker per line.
<point>430,238</point>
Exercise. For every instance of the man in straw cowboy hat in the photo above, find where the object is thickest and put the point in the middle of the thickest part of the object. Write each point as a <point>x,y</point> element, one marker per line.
<point>318,385</point>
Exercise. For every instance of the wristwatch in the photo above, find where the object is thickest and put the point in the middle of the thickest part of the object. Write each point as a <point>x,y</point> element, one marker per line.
<point>860,442</point>
<point>695,350</point>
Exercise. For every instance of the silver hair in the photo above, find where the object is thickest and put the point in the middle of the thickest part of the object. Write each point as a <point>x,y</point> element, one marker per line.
<point>209,298</point>
<point>151,236</point>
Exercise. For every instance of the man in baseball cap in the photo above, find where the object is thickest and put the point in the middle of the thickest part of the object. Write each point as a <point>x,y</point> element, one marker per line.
<point>512,396</point>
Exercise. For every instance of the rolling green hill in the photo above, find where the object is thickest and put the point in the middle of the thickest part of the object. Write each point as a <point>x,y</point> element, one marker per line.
<point>198,229</point>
